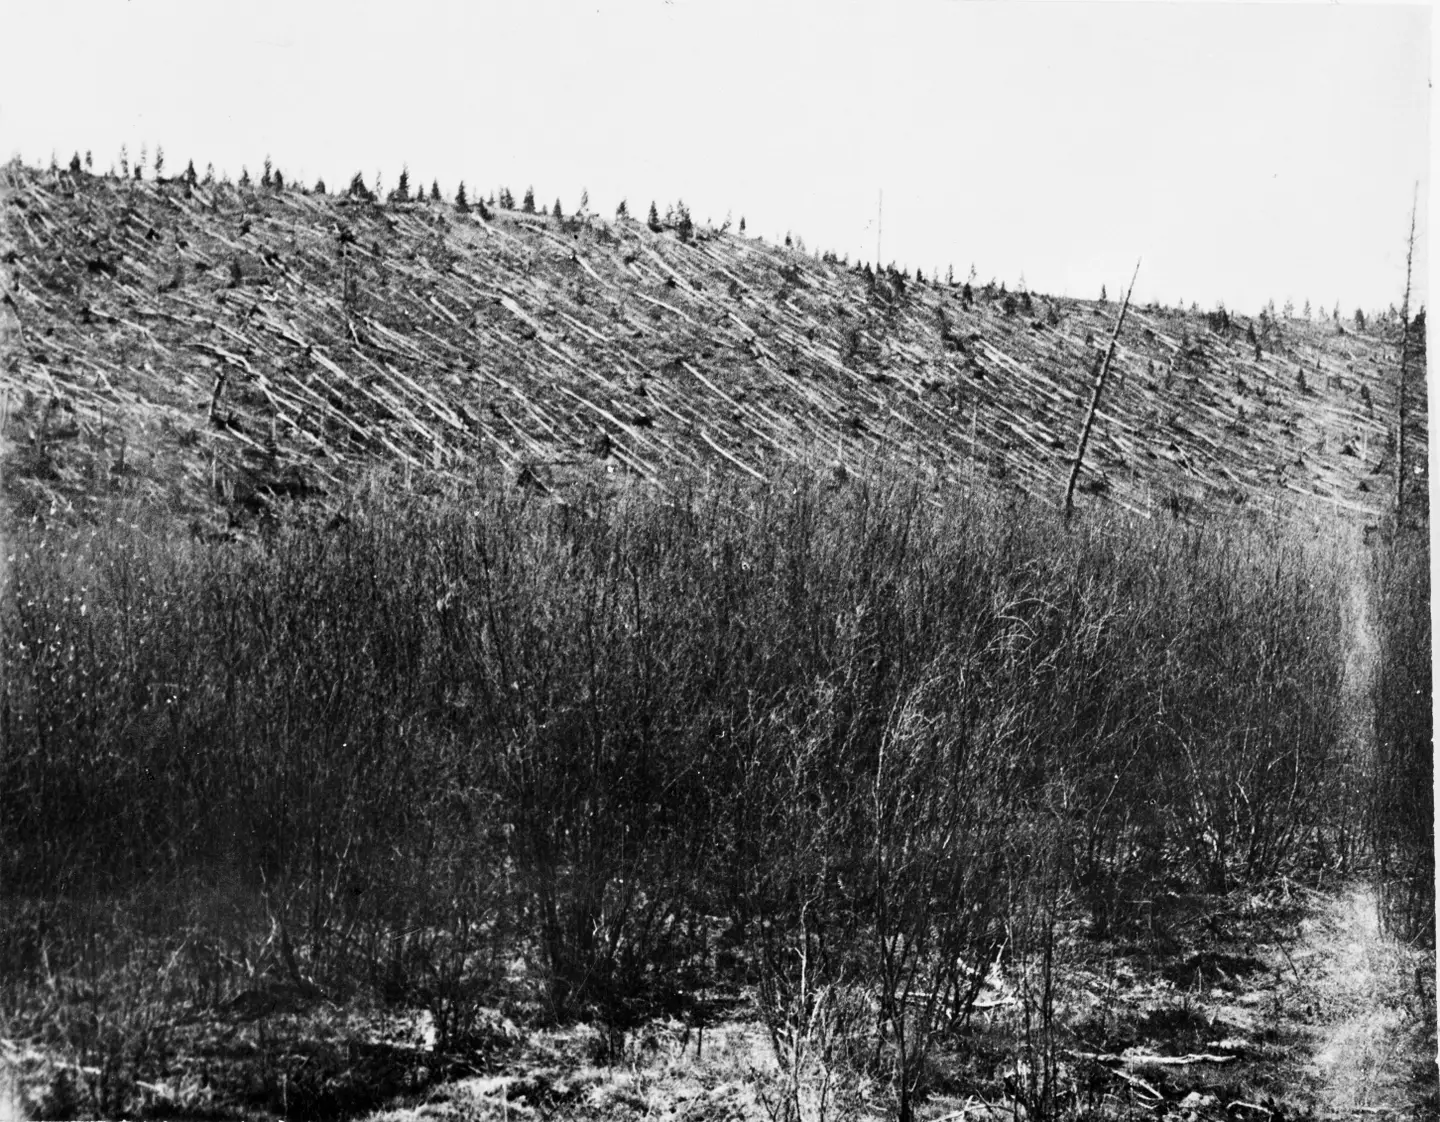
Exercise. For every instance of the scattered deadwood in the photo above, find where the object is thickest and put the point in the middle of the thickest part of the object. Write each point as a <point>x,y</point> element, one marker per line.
<point>1145,1059</point>
<point>441,341</point>
<point>1138,1083</point>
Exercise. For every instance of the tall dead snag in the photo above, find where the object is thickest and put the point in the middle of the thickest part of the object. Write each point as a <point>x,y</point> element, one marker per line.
<point>1404,354</point>
<point>1095,399</point>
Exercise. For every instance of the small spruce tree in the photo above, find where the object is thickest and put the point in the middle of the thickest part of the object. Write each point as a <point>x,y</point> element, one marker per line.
<point>482,209</point>
<point>1359,320</point>
<point>277,181</point>
<point>125,166</point>
<point>434,190</point>
<point>1103,296</point>
<point>159,161</point>
<point>188,175</point>
<point>75,164</point>
<point>622,211</point>
<point>653,218</point>
<point>462,204</point>
<point>266,178</point>
<point>742,225</point>
<point>209,180</point>
<point>507,200</point>
<point>527,205</point>
<point>555,211</point>
<point>584,201</point>
<point>89,161</point>
<point>320,186</point>
<point>401,193</point>
<point>683,225</point>
<point>358,190</point>
<point>244,176</point>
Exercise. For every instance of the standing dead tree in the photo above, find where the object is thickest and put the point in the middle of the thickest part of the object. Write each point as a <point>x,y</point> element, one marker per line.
<point>1095,399</point>
<point>1400,395</point>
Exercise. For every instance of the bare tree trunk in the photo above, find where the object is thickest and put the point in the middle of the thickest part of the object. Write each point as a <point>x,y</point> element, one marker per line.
<point>1400,396</point>
<point>1095,400</point>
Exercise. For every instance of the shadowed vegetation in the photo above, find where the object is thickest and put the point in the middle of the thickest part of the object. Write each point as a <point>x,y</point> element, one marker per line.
<point>868,738</point>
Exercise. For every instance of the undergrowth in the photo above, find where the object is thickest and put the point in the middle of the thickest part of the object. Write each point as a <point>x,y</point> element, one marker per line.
<point>1402,810</point>
<point>865,736</point>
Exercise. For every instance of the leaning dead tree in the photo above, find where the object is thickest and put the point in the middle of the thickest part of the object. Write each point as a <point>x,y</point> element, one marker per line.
<point>1095,399</point>
<point>1400,396</point>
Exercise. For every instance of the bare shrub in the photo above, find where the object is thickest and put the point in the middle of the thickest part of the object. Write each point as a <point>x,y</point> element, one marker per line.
<point>1401,797</point>
<point>464,726</point>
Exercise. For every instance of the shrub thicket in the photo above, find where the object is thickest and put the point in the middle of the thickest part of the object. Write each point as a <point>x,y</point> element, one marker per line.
<point>850,724</point>
<point>1402,796</point>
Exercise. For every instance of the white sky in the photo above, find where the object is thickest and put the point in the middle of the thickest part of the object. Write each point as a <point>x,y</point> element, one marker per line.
<point>1245,151</point>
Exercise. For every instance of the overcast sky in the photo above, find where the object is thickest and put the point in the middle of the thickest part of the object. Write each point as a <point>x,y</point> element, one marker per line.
<point>1245,151</point>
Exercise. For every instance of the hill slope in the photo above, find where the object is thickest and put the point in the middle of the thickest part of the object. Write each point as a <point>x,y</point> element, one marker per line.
<point>211,347</point>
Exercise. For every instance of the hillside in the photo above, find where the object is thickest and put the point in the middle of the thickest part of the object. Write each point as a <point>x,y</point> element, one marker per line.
<point>873,793</point>
<point>213,347</point>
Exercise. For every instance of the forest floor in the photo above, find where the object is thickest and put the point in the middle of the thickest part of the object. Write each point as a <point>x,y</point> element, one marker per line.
<point>1287,1005</point>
